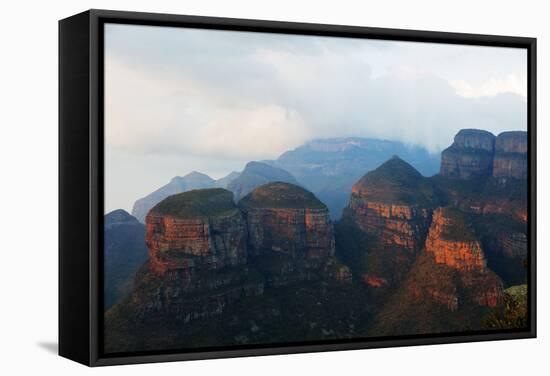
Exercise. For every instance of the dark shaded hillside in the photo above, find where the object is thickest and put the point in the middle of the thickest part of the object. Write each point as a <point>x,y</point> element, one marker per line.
<point>124,253</point>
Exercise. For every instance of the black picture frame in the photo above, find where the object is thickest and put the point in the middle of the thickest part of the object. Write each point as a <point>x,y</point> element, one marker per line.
<point>81,182</point>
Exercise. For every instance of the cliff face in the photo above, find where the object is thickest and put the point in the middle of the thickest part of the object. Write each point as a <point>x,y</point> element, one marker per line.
<point>393,203</point>
<point>470,155</point>
<point>451,243</point>
<point>510,159</point>
<point>285,218</point>
<point>296,232</point>
<point>477,153</point>
<point>290,235</point>
<point>197,248</point>
<point>192,242</point>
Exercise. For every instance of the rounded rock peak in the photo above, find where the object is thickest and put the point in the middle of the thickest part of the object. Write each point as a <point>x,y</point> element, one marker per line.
<point>281,195</point>
<point>394,170</point>
<point>397,182</point>
<point>512,142</point>
<point>197,203</point>
<point>475,139</point>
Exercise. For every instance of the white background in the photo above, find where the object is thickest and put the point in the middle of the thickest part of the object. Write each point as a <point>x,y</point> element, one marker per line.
<point>28,211</point>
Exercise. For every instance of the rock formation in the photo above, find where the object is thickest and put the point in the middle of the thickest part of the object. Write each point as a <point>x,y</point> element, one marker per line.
<point>477,153</point>
<point>201,228</point>
<point>393,203</point>
<point>285,218</point>
<point>452,243</point>
<point>197,247</point>
<point>510,159</point>
<point>470,155</point>
<point>290,234</point>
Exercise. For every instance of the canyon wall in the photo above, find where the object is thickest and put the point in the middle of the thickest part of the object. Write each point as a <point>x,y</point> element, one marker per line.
<point>478,153</point>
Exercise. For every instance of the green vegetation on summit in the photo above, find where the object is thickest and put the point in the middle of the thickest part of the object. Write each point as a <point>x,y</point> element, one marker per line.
<point>197,203</point>
<point>397,182</point>
<point>281,195</point>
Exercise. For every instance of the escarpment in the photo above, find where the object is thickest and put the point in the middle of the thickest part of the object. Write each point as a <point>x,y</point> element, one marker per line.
<point>476,153</point>
<point>199,229</point>
<point>199,244</point>
<point>452,243</point>
<point>394,203</point>
<point>392,206</point>
<point>470,155</point>
<point>510,159</point>
<point>290,235</point>
<point>197,264</point>
<point>285,218</point>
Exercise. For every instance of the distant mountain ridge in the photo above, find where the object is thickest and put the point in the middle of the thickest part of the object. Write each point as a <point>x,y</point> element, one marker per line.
<point>330,166</point>
<point>178,184</point>
<point>256,174</point>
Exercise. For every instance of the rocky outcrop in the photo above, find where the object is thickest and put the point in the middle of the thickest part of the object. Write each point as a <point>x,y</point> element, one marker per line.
<point>477,153</point>
<point>392,203</point>
<point>510,159</point>
<point>452,243</point>
<point>290,235</point>
<point>196,229</point>
<point>287,219</point>
<point>197,248</point>
<point>470,155</point>
<point>465,277</point>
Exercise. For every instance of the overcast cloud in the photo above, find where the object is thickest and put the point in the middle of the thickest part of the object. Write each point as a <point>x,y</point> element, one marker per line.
<point>178,100</point>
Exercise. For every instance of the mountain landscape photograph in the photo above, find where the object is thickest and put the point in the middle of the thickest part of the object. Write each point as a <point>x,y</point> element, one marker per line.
<point>274,189</point>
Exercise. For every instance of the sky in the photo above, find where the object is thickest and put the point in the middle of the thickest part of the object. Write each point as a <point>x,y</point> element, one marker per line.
<point>179,100</point>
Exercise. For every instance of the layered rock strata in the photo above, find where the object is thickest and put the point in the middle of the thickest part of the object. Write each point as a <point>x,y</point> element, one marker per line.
<point>470,155</point>
<point>464,275</point>
<point>197,248</point>
<point>390,203</point>
<point>451,243</point>
<point>290,234</point>
<point>476,153</point>
<point>510,159</point>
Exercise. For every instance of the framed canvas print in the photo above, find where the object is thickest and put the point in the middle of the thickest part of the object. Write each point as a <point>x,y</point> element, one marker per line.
<point>235,187</point>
